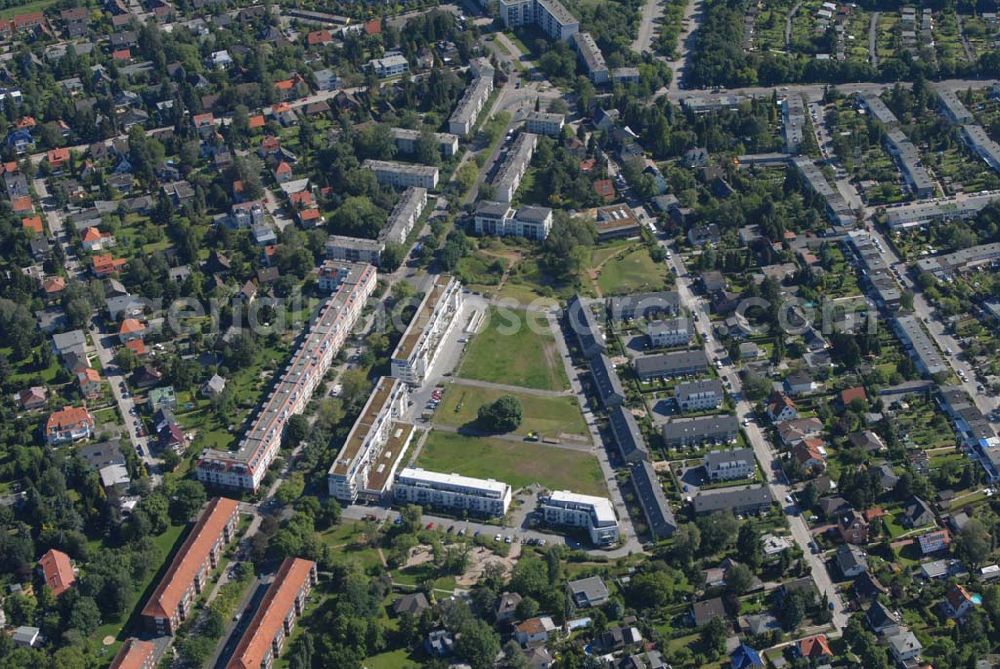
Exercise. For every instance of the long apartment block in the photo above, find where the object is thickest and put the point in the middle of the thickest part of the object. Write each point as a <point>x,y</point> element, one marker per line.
<point>283,604</point>
<point>594,514</point>
<point>550,15</point>
<point>403,175</point>
<point>374,447</point>
<point>593,60</point>
<point>960,206</point>
<point>175,595</point>
<point>406,141</point>
<point>512,170</point>
<point>467,111</point>
<point>910,165</point>
<point>402,219</point>
<point>245,467</point>
<point>420,343</point>
<point>453,492</point>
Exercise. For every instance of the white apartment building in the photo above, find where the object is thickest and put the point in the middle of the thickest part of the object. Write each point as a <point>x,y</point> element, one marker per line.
<point>404,215</point>
<point>497,218</point>
<point>732,465</point>
<point>451,491</point>
<point>374,447</point>
<point>419,345</point>
<point>403,175</point>
<point>549,15</point>
<point>354,249</point>
<point>592,58</point>
<point>514,167</point>
<point>245,467</point>
<point>463,119</point>
<point>545,123</point>
<point>699,395</point>
<point>670,332</point>
<point>595,514</point>
<point>390,65</point>
<point>406,141</point>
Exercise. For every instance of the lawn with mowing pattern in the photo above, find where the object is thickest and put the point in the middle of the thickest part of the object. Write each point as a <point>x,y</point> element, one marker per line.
<point>632,272</point>
<point>508,350</point>
<point>518,464</point>
<point>548,416</point>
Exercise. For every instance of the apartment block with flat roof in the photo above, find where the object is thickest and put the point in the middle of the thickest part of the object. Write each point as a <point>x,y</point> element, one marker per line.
<point>980,143</point>
<point>246,466</point>
<point>592,58</point>
<point>545,123</point>
<point>549,15</point>
<point>403,175</point>
<point>172,601</point>
<point>484,497</point>
<point>954,207</point>
<point>420,343</point>
<point>285,600</point>
<point>953,109</point>
<point>910,166</point>
<point>467,111</point>
<point>367,462</point>
<point>793,114</point>
<point>512,170</point>
<point>498,218</point>
<point>354,249</point>
<point>406,141</point>
<point>918,344</point>
<point>879,110</point>
<point>397,229</point>
<point>594,514</point>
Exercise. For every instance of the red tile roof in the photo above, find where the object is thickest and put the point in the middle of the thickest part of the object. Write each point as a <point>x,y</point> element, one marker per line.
<point>137,346</point>
<point>58,156</point>
<point>122,54</point>
<point>33,223</point>
<point>130,325</point>
<point>848,395</point>
<point>68,417</point>
<point>373,27</point>
<point>255,122</point>
<point>106,264</point>
<point>189,559</point>
<point>317,37</point>
<point>814,646</point>
<point>54,284</point>
<point>22,204</point>
<point>57,571</point>
<point>278,602</point>
<point>133,654</point>
<point>605,189</point>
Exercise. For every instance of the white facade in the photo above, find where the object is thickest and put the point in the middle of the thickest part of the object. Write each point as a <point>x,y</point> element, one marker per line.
<point>595,514</point>
<point>419,345</point>
<point>730,465</point>
<point>592,58</point>
<point>403,175</point>
<point>245,467</point>
<point>549,15</point>
<point>354,249</point>
<point>463,119</point>
<point>545,123</point>
<point>363,467</point>
<point>514,167</point>
<point>673,332</point>
<point>390,66</point>
<point>406,141</point>
<point>452,491</point>
<point>496,218</point>
<point>699,395</point>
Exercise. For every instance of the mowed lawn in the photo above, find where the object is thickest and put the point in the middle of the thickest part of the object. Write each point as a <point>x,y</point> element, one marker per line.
<point>509,350</point>
<point>548,416</point>
<point>635,271</point>
<point>518,464</point>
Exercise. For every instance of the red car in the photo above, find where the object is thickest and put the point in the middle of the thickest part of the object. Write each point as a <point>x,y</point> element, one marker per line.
<point>430,526</point>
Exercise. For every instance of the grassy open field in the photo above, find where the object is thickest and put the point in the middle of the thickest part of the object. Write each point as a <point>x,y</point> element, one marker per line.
<point>515,354</point>
<point>630,272</point>
<point>26,8</point>
<point>394,659</point>
<point>548,416</point>
<point>518,464</point>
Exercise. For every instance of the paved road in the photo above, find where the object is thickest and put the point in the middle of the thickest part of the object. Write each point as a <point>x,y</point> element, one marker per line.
<point>652,10</point>
<point>694,11</point>
<point>763,450</point>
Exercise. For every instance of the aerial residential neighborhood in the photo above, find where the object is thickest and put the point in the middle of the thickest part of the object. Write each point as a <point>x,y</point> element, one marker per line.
<point>536,333</point>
